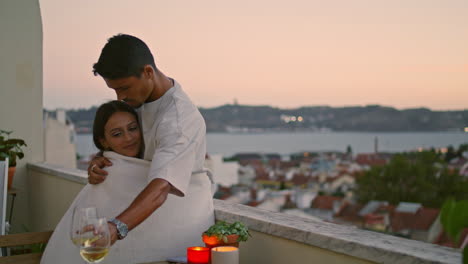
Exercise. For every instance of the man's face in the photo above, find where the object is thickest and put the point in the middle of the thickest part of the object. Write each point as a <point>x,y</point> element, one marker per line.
<point>133,90</point>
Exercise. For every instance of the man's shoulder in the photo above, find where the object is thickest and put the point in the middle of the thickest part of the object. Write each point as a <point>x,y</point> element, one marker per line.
<point>182,116</point>
<point>181,96</point>
<point>183,105</point>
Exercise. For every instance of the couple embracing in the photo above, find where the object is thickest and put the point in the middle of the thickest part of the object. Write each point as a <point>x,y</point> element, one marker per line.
<point>149,180</point>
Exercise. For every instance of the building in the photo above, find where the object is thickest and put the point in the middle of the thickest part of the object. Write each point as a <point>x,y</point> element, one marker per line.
<point>59,140</point>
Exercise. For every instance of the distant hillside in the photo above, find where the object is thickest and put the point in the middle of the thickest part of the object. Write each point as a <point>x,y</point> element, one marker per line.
<point>238,118</point>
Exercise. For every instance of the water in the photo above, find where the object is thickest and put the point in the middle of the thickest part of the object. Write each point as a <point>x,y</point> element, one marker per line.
<point>286,143</point>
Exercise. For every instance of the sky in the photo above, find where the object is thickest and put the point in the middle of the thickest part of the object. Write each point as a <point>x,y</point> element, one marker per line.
<point>398,53</point>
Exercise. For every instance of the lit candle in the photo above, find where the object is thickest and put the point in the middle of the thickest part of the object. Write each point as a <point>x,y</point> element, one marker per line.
<point>225,255</point>
<point>198,255</point>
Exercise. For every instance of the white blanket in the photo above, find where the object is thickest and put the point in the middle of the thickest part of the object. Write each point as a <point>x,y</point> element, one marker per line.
<point>176,225</point>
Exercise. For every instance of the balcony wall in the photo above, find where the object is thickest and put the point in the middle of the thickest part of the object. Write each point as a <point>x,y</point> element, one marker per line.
<point>276,238</point>
<point>52,190</point>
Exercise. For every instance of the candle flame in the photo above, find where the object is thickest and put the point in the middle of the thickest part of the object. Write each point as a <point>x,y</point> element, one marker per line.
<point>198,248</point>
<point>224,249</point>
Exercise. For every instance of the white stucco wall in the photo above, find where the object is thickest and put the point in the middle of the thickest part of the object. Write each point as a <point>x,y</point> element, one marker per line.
<point>224,173</point>
<point>59,148</point>
<point>21,90</point>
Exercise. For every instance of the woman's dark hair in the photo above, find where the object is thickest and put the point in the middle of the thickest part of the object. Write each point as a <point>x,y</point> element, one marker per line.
<point>103,113</point>
<point>123,56</point>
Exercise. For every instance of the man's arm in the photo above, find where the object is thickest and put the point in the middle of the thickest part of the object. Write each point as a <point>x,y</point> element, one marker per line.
<point>182,158</point>
<point>150,199</point>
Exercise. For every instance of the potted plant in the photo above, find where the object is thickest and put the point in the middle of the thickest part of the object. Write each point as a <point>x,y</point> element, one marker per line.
<point>225,234</point>
<point>10,148</point>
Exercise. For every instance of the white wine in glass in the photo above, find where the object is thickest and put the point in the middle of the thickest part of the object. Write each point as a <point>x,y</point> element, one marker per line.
<point>94,255</point>
<point>94,239</point>
<point>78,214</point>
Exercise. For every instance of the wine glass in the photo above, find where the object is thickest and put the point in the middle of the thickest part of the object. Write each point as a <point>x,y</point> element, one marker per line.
<point>78,214</point>
<point>94,239</point>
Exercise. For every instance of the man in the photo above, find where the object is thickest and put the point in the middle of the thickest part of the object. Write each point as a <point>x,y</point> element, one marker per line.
<point>173,129</point>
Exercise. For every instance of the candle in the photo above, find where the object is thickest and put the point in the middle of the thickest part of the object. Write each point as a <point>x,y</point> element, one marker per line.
<point>198,255</point>
<point>225,255</point>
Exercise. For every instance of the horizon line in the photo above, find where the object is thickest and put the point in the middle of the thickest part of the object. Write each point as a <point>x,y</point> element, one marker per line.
<point>286,108</point>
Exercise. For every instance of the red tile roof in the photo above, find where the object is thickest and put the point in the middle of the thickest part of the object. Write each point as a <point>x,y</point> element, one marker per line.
<point>324,202</point>
<point>401,220</point>
<point>281,178</point>
<point>349,212</point>
<point>261,174</point>
<point>421,220</point>
<point>370,159</point>
<point>314,178</point>
<point>288,164</point>
<point>372,219</point>
<point>299,179</point>
<point>331,179</point>
<point>425,218</point>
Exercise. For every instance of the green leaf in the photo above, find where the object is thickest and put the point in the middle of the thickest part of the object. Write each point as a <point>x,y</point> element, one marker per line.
<point>454,217</point>
<point>446,216</point>
<point>460,218</point>
<point>465,255</point>
<point>221,229</point>
<point>11,147</point>
<point>16,141</point>
<point>20,155</point>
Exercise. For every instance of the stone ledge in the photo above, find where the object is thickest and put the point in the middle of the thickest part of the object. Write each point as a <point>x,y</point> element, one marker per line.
<point>348,240</point>
<point>74,175</point>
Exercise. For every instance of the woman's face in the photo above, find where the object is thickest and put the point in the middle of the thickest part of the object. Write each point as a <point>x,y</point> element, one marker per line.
<point>122,134</point>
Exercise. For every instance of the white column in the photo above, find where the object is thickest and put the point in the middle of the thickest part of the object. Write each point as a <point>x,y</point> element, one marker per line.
<point>21,91</point>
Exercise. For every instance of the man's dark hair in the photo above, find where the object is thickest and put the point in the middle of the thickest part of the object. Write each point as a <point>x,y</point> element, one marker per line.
<point>123,56</point>
<point>103,114</point>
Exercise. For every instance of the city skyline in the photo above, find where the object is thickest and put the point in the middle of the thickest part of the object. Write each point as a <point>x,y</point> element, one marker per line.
<point>305,53</point>
<point>235,102</point>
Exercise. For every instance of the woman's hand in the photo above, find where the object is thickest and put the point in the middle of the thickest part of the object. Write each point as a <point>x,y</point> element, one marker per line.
<point>96,174</point>
<point>113,233</point>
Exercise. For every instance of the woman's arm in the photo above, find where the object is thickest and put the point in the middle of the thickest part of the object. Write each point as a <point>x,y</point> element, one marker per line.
<point>150,199</point>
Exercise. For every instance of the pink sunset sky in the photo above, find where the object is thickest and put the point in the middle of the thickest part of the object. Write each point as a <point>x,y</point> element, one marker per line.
<point>399,53</point>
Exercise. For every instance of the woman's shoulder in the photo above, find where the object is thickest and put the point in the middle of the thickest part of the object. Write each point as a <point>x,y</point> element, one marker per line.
<point>121,159</point>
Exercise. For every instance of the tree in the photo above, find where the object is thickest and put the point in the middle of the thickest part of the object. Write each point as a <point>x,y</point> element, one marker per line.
<point>450,153</point>
<point>461,149</point>
<point>420,177</point>
<point>349,150</point>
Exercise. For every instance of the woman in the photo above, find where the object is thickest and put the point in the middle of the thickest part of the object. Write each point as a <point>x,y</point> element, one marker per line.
<point>172,228</point>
